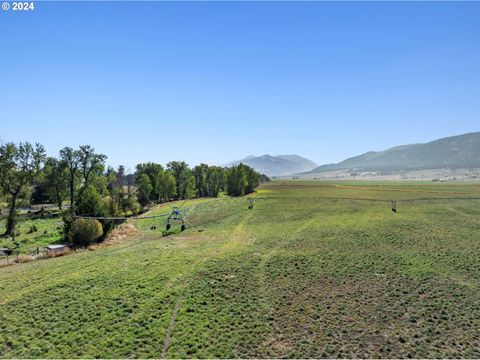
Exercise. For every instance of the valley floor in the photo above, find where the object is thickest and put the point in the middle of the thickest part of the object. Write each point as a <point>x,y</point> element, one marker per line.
<point>444,174</point>
<point>315,269</point>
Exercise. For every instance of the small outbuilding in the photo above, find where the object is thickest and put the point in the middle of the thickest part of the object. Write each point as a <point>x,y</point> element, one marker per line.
<point>55,249</point>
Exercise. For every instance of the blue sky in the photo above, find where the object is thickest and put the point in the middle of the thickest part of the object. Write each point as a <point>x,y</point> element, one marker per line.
<point>216,81</point>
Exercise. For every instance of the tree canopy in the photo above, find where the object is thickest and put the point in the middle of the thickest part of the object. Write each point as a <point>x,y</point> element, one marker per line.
<point>19,166</point>
<point>79,176</point>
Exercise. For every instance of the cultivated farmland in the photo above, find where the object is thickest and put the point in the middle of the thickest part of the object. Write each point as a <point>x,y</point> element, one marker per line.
<point>315,269</point>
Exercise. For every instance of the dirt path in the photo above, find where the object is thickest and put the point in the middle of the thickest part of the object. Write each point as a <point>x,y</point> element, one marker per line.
<point>171,326</point>
<point>236,235</point>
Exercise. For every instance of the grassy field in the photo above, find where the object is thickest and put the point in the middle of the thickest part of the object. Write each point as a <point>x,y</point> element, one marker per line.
<point>33,233</point>
<point>316,269</point>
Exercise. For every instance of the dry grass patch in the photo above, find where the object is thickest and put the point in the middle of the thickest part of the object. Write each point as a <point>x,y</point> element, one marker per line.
<point>119,234</point>
<point>43,255</point>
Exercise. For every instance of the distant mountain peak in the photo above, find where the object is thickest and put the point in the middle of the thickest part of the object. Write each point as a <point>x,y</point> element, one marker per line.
<point>278,165</point>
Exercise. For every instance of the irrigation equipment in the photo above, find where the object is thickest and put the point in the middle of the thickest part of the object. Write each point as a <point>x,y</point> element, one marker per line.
<point>394,206</point>
<point>178,214</point>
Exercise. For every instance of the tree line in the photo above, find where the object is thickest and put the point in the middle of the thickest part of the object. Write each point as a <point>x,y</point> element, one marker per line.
<point>80,178</point>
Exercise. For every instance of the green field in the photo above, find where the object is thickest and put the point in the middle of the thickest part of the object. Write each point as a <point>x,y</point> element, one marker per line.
<point>316,269</point>
<point>46,232</point>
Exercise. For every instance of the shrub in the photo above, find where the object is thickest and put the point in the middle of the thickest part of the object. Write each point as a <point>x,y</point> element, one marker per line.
<point>131,205</point>
<point>84,232</point>
<point>32,229</point>
<point>67,224</point>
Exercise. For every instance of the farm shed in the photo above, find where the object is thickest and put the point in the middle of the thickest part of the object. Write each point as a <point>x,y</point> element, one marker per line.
<point>55,249</point>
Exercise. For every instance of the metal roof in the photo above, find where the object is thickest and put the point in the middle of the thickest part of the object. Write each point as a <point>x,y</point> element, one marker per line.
<point>55,247</point>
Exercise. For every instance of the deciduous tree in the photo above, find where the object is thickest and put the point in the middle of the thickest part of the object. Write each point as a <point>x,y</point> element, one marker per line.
<point>91,164</point>
<point>19,165</point>
<point>215,180</point>
<point>56,180</point>
<point>145,188</point>
<point>165,186</point>
<point>182,175</point>
<point>71,160</point>
<point>241,180</point>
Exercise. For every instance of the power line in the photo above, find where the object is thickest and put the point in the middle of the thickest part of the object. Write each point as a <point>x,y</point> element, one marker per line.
<point>119,218</point>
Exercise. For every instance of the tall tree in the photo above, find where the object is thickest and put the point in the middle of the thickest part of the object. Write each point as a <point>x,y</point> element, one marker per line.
<point>19,165</point>
<point>182,174</point>
<point>165,186</point>
<point>241,179</point>
<point>253,179</point>
<point>130,182</point>
<point>190,189</point>
<point>236,180</point>
<point>56,180</point>
<point>91,203</point>
<point>200,172</point>
<point>121,180</point>
<point>215,180</point>
<point>71,161</point>
<point>144,188</point>
<point>90,163</point>
<point>153,171</point>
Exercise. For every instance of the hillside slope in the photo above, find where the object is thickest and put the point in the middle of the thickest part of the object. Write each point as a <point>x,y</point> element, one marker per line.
<point>462,151</point>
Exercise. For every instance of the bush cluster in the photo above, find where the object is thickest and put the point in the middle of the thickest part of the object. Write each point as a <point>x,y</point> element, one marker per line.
<point>84,232</point>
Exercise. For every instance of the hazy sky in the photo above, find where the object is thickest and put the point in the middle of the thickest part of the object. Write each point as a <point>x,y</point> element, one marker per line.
<point>213,82</point>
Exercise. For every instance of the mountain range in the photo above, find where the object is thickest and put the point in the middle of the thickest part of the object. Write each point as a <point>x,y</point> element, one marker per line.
<point>278,165</point>
<point>455,152</point>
